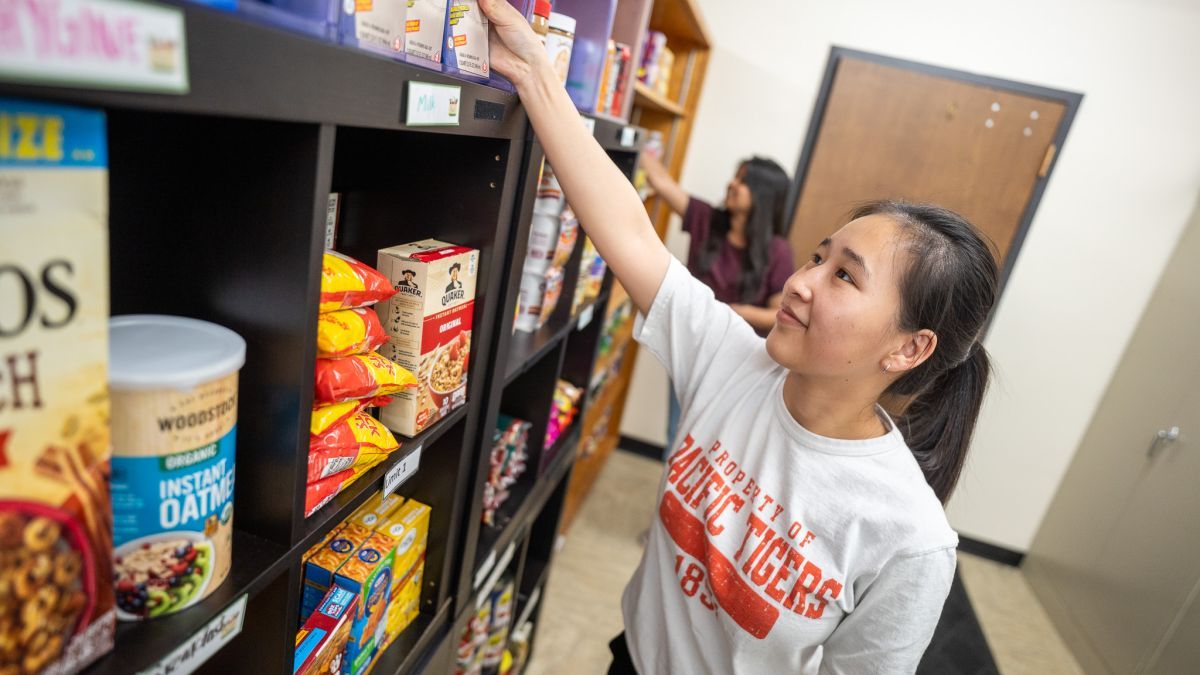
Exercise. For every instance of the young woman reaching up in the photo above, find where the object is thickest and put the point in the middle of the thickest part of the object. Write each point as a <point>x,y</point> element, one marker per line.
<point>799,528</point>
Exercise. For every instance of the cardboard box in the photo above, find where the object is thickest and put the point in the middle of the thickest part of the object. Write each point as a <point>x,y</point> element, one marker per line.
<point>467,39</point>
<point>424,25</point>
<point>368,573</point>
<point>375,25</point>
<point>321,643</point>
<point>428,322</point>
<point>405,604</point>
<point>323,561</point>
<point>54,405</point>
<point>409,526</point>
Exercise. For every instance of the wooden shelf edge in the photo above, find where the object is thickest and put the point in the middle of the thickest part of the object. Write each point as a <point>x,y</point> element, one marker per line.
<point>648,98</point>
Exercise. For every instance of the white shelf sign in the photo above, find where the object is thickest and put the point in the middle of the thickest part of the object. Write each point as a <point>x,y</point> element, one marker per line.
<point>99,44</point>
<point>401,472</point>
<point>585,316</point>
<point>628,137</point>
<point>194,651</point>
<point>433,105</point>
<point>589,123</point>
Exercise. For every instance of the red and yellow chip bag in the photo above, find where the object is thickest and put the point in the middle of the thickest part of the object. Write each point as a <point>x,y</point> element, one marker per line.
<point>326,415</point>
<point>348,332</point>
<point>360,376</point>
<point>322,492</point>
<point>347,283</point>
<point>359,439</point>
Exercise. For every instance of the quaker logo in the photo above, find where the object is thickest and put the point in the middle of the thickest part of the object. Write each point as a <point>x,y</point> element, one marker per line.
<point>407,284</point>
<point>341,545</point>
<point>369,556</point>
<point>454,290</point>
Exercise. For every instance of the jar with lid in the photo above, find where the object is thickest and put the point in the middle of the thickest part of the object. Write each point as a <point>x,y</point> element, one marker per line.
<point>560,40</point>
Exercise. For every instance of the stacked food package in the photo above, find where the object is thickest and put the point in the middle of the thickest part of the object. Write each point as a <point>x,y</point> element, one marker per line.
<point>362,586</point>
<point>345,439</point>
<point>614,79</point>
<point>483,642</point>
<point>591,276</point>
<point>563,410</point>
<point>657,63</point>
<point>552,238</point>
<point>510,450</point>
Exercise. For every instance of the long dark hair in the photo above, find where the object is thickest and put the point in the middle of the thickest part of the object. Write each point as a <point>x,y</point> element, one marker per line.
<point>769,185</point>
<point>949,287</point>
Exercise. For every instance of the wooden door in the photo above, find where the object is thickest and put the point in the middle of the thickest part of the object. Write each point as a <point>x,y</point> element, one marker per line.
<point>1118,555</point>
<point>891,129</point>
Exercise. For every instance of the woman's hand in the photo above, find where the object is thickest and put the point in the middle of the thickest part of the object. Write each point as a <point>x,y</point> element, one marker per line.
<point>515,50</point>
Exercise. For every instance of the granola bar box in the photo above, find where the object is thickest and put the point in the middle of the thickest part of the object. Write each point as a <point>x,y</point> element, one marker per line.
<point>56,608</point>
<point>428,322</point>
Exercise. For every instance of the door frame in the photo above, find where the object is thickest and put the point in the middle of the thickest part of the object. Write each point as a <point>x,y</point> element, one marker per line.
<point>1070,100</point>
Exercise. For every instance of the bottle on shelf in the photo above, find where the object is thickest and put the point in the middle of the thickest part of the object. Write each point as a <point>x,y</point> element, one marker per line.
<point>540,21</point>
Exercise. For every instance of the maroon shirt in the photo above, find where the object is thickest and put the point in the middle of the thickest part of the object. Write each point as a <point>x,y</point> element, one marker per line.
<point>724,276</point>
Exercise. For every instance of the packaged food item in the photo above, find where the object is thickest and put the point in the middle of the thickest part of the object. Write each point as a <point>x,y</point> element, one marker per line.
<point>54,405</point>
<point>543,240</point>
<point>321,642</point>
<point>624,61</point>
<point>425,24</point>
<point>348,332</point>
<point>568,234</point>
<point>409,526</point>
<point>467,39</point>
<point>375,25</point>
<point>325,416</point>
<point>359,440</point>
<point>174,388</point>
<point>563,409</point>
<point>549,198</point>
<point>540,20</point>
<point>507,463</point>
<point>405,605</point>
<point>368,574</point>
<point>323,560</point>
<point>529,303</point>
<point>560,40</point>
<point>347,283</point>
<point>608,77</point>
<point>429,325</point>
<point>360,376</point>
<point>497,636</point>
<point>554,285</point>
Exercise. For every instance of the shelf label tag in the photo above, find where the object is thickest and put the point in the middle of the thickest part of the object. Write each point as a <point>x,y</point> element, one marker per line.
<point>97,44</point>
<point>401,472</point>
<point>585,316</point>
<point>589,123</point>
<point>433,105</point>
<point>200,647</point>
<point>484,570</point>
<point>628,137</point>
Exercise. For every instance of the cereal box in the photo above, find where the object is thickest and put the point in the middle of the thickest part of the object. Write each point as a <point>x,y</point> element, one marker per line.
<point>405,604</point>
<point>368,573</point>
<point>467,39</point>
<point>324,560</point>
<point>54,434</point>
<point>428,321</point>
<point>409,527</point>
<point>321,643</point>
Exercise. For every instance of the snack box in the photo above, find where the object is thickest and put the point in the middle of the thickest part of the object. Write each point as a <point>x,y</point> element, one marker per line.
<point>373,25</point>
<point>368,574</point>
<point>467,41</point>
<point>409,526</point>
<point>428,322</point>
<point>424,26</point>
<point>54,404</point>
<point>405,604</point>
<point>322,564</point>
<point>321,643</point>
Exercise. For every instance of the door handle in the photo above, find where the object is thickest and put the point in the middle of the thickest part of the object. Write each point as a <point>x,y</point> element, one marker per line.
<point>1161,438</point>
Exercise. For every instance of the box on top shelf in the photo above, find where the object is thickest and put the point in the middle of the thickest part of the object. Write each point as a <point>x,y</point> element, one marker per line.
<point>429,321</point>
<point>466,33</point>
<point>54,404</point>
<point>318,18</point>
<point>323,560</point>
<point>373,25</point>
<point>425,24</point>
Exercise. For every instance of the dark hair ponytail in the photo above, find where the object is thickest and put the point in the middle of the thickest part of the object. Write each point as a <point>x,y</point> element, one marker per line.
<point>949,287</point>
<point>769,186</point>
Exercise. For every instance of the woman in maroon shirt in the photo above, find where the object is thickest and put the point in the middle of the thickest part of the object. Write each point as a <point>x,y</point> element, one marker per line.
<point>737,250</point>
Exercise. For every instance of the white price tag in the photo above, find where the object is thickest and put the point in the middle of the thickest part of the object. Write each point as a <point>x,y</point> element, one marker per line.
<point>484,570</point>
<point>585,317</point>
<point>628,137</point>
<point>433,105</point>
<point>590,123</point>
<point>401,472</point>
<point>197,649</point>
<point>106,44</point>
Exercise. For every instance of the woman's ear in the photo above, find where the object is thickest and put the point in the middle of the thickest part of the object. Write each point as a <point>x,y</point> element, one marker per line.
<point>913,352</point>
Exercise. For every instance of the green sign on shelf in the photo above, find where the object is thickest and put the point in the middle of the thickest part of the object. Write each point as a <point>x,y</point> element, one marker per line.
<point>433,105</point>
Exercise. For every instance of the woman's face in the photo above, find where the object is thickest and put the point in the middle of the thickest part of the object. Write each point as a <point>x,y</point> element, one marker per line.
<point>737,195</point>
<point>839,312</point>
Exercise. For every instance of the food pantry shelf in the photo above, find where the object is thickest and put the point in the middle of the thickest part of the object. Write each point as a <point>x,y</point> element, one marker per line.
<point>527,501</point>
<point>371,482</point>
<point>648,98</point>
<point>141,644</point>
<point>247,70</point>
<point>526,348</point>
<point>416,643</point>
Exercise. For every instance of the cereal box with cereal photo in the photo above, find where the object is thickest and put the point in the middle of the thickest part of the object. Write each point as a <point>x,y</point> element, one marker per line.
<point>428,322</point>
<point>56,596</point>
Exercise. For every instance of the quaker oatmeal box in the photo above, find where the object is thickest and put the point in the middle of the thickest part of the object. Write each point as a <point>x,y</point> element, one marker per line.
<point>56,597</point>
<point>428,322</point>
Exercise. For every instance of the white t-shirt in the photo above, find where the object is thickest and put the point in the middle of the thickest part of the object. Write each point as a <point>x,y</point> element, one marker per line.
<point>776,550</point>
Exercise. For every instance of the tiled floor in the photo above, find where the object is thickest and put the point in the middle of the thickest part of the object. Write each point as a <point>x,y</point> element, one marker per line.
<point>582,610</point>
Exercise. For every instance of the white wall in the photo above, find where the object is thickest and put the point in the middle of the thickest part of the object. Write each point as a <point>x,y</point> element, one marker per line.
<point>1115,205</point>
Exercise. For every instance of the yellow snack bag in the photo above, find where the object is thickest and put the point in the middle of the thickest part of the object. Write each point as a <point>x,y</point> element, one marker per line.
<point>347,283</point>
<point>360,376</point>
<point>348,332</point>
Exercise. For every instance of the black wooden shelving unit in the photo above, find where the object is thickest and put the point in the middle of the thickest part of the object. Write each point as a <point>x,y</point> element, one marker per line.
<point>217,211</point>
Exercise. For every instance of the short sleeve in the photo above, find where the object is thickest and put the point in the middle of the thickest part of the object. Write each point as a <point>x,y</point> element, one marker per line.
<point>695,337</point>
<point>894,619</point>
<point>780,267</point>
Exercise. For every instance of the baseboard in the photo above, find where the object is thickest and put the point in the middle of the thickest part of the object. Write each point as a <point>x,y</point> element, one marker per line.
<point>992,552</point>
<point>642,448</point>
